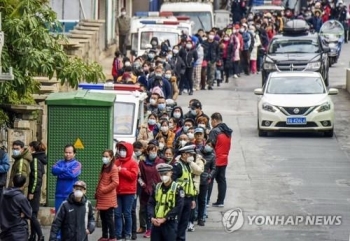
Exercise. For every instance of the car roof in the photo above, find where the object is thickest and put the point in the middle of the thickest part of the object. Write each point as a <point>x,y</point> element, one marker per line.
<point>295,74</point>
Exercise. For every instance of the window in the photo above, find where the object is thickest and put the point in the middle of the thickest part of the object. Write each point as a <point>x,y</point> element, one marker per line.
<point>202,20</point>
<point>146,38</point>
<point>285,46</point>
<point>124,114</point>
<point>295,85</point>
<point>134,41</point>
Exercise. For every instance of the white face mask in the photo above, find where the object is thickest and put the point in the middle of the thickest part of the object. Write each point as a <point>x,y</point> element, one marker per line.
<point>201,125</point>
<point>177,115</point>
<point>175,51</point>
<point>161,146</point>
<point>127,64</point>
<point>189,46</point>
<point>183,143</point>
<point>78,194</point>
<point>204,38</point>
<point>241,30</point>
<point>123,13</point>
<point>122,154</point>
<point>211,37</point>
<point>190,135</point>
<point>105,160</point>
<point>171,125</point>
<point>165,179</point>
<point>164,128</point>
<point>190,159</point>
<point>226,38</point>
<point>152,101</point>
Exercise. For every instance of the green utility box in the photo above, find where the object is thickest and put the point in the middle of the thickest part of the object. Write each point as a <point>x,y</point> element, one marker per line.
<point>85,120</point>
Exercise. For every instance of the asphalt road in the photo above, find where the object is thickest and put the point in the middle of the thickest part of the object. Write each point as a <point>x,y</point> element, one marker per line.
<point>283,174</point>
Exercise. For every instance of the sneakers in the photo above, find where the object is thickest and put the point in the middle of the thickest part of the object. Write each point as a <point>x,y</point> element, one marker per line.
<point>147,234</point>
<point>235,76</point>
<point>220,205</point>
<point>190,227</point>
<point>104,239</point>
<point>201,222</point>
<point>133,236</point>
<point>128,238</point>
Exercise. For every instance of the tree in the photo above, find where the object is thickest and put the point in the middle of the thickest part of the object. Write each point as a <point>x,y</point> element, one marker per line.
<point>32,51</point>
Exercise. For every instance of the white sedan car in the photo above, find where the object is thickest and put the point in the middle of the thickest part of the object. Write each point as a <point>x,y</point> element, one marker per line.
<point>295,101</point>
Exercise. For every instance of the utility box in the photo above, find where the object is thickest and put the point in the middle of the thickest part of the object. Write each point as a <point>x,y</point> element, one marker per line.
<point>85,120</point>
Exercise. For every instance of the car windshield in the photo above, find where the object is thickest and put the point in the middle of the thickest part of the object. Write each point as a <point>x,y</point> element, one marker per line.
<point>295,85</point>
<point>124,118</point>
<point>202,20</point>
<point>285,46</point>
<point>147,36</point>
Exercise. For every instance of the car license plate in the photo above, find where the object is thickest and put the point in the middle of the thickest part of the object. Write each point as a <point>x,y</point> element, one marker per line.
<point>296,121</point>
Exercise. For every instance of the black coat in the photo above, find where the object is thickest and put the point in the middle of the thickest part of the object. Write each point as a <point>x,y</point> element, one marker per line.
<point>37,170</point>
<point>73,219</point>
<point>13,225</point>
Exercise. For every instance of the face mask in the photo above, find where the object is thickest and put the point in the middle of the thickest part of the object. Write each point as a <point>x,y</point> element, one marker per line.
<point>189,46</point>
<point>151,122</point>
<point>185,128</point>
<point>78,194</point>
<point>158,74</point>
<point>127,64</point>
<point>175,51</point>
<point>152,156</point>
<point>183,143</point>
<point>164,128</point>
<point>171,125</point>
<point>241,30</point>
<point>190,135</point>
<point>211,37</point>
<point>201,125</point>
<point>165,179</point>
<point>122,154</point>
<point>167,76</point>
<point>123,13</point>
<point>161,106</point>
<point>146,70</point>
<point>151,56</point>
<point>190,159</point>
<point>193,112</point>
<point>177,115</point>
<point>208,149</point>
<point>169,159</point>
<point>204,38</point>
<point>16,152</point>
<point>169,56</point>
<point>161,146</point>
<point>258,26</point>
<point>234,31</point>
<point>152,101</point>
<point>105,160</point>
<point>138,153</point>
<point>226,38</point>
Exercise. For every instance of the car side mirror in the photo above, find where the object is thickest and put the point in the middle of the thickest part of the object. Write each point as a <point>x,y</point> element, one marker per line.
<point>333,91</point>
<point>258,91</point>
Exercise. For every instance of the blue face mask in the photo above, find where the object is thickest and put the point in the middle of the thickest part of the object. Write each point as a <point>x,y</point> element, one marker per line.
<point>152,122</point>
<point>161,106</point>
<point>185,128</point>
<point>152,156</point>
<point>16,152</point>
<point>208,149</point>
<point>193,112</point>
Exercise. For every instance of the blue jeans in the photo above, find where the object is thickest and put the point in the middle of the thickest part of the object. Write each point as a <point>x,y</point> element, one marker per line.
<point>125,202</point>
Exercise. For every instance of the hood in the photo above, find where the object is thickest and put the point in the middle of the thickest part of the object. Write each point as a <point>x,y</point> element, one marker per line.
<point>129,151</point>
<point>71,199</point>
<point>25,155</point>
<point>12,192</point>
<point>225,129</point>
<point>41,156</point>
<point>177,107</point>
<point>295,100</point>
<point>308,57</point>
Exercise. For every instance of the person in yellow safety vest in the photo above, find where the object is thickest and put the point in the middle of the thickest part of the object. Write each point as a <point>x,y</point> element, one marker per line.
<point>22,158</point>
<point>183,170</point>
<point>165,205</point>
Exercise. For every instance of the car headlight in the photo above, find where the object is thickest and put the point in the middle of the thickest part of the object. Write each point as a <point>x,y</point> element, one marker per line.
<point>268,107</point>
<point>269,66</point>
<point>314,65</point>
<point>324,107</point>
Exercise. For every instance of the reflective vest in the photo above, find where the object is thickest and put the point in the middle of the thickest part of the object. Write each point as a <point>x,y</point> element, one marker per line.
<point>165,200</point>
<point>186,181</point>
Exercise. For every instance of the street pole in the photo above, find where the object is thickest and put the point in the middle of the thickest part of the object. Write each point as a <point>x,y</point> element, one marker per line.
<point>4,76</point>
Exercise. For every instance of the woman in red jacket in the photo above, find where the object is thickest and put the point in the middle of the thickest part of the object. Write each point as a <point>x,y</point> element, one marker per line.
<point>128,172</point>
<point>106,195</point>
<point>150,178</point>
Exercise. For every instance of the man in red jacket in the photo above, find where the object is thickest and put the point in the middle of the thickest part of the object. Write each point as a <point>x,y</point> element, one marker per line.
<point>220,136</point>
